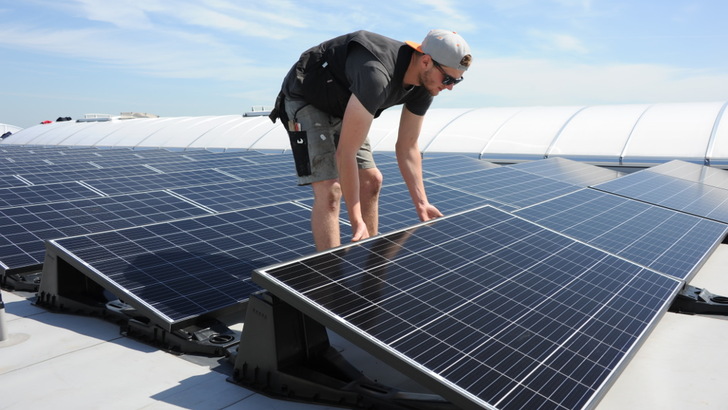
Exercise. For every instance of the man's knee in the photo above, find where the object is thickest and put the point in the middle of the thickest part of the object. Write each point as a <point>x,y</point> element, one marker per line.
<point>327,193</point>
<point>371,181</point>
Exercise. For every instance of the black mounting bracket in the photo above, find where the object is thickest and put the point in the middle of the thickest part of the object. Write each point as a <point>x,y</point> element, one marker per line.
<point>285,354</point>
<point>694,300</point>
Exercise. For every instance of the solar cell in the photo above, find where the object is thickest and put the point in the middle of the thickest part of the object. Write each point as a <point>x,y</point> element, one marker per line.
<point>665,240</point>
<point>483,308</point>
<point>181,269</point>
<point>671,192</point>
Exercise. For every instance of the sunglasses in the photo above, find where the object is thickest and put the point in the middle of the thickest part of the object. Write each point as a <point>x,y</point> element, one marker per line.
<point>447,79</point>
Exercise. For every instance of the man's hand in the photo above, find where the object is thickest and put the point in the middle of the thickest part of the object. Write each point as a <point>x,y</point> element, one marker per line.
<point>428,212</point>
<point>360,231</point>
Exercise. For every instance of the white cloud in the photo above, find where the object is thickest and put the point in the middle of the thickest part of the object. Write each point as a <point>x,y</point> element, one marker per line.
<point>557,42</point>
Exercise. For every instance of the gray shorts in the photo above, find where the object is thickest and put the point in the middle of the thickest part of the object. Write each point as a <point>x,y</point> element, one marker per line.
<point>314,146</point>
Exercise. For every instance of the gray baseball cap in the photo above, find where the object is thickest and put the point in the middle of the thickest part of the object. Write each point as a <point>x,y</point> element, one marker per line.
<point>446,47</point>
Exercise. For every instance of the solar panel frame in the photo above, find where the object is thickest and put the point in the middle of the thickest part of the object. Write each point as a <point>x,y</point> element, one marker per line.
<point>178,270</point>
<point>514,366</point>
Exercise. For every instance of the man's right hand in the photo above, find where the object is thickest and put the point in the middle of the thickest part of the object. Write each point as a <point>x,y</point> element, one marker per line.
<point>360,231</point>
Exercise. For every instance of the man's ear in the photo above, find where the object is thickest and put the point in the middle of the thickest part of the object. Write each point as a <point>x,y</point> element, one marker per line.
<point>425,60</point>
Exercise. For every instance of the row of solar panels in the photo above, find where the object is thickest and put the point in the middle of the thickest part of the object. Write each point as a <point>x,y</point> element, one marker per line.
<point>668,241</point>
<point>541,283</point>
<point>537,308</point>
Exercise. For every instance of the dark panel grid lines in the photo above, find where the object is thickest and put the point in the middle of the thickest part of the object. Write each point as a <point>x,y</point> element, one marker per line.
<point>483,308</point>
<point>665,240</point>
<point>246,194</point>
<point>565,170</point>
<point>41,194</point>
<point>672,192</point>
<point>23,229</point>
<point>181,269</point>
<point>507,186</point>
<point>693,172</point>
<point>124,185</point>
<point>100,173</point>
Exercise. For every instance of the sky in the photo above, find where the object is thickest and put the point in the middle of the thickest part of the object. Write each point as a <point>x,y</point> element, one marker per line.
<point>172,58</point>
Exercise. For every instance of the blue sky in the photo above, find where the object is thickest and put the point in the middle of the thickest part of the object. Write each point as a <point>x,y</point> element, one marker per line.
<point>218,57</point>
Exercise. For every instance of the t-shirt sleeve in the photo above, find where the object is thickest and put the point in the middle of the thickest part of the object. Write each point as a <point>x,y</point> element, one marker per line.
<point>368,78</point>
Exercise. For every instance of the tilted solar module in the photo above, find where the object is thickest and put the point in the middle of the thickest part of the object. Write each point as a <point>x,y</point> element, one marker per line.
<point>693,172</point>
<point>569,171</point>
<point>24,229</point>
<point>125,185</point>
<point>672,192</point>
<point>179,270</point>
<point>665,240</point>
<point>507,186</point>
<point>245,194</point>
<point>40,194</point>
<point>483,308</point>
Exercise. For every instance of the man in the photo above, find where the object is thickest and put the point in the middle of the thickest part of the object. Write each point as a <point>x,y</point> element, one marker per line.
<point>327,103</point>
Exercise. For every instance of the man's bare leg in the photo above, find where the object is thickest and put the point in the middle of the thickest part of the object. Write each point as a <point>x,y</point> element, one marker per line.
<point>325,214</point>
<point>370,184</point>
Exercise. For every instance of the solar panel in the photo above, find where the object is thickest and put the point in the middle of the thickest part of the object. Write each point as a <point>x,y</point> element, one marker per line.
<point>483,308</point>
<point>671,192</point>
<point>23,230</point>
<point>454,164</point>
<point>245,194</point>
<point>96,173</point>
<point>665,240</point>
<point>693,172</point>
<point>569,171</point>
<point>507,186</point>
<point>123,185</point>
<point>39,194</point>
<point>178,270</point>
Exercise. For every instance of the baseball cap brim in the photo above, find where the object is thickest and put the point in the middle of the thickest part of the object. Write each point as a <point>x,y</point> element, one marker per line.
<point>416,46</point>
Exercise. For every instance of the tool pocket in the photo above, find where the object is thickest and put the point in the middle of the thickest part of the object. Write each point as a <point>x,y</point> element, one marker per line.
<point>299,146</point>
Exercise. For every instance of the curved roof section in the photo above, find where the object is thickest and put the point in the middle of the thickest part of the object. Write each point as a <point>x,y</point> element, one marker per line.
<point>8,128</point>
<point>618,135</point>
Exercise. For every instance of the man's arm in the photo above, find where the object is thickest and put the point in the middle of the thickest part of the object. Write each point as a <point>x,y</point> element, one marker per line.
<point>354,130</point>
<point>410,163</point>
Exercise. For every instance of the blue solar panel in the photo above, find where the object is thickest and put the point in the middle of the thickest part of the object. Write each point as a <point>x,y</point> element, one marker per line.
<point>483,308</point>
<point>23,230</point>
<point>671,192</point>
<point>693,172</point>
<point>572,172</point>
<point>124,185</point>
<point>665,240</point>
<point>507,186</point>
<point>245,194</point>
<point>182,269</point>
<point>40,194</point>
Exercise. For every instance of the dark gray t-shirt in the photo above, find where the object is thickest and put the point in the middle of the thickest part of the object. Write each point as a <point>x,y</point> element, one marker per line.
<point>376,81</point>
<point>377,89</point>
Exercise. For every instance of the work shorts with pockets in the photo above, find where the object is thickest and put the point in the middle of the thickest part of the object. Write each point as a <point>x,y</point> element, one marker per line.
<point>314,136</point>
